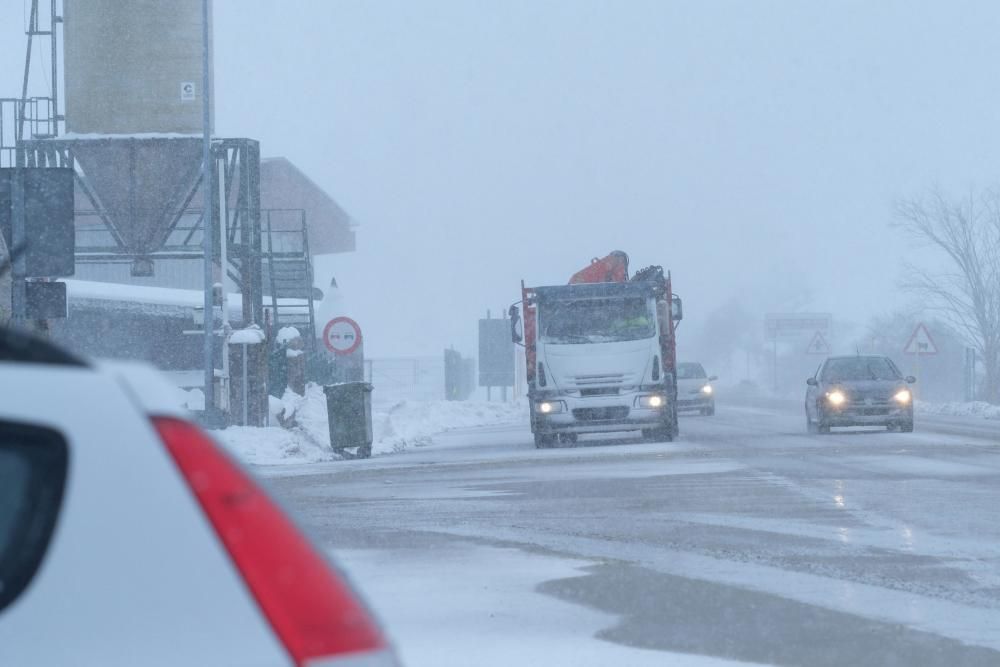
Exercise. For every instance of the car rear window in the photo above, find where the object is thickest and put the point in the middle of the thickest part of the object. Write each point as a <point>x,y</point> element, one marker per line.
<point>33,463</point>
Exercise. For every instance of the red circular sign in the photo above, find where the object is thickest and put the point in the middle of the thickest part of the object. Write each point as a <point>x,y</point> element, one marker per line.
<point>342,335</point>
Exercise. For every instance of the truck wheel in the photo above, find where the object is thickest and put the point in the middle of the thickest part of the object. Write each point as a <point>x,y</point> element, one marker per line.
<point>658,434</point>
<point>906,427</point>
<point>823,429</point>
<point>709,411</point>
<point>811,426</point>
<point>544,440</point>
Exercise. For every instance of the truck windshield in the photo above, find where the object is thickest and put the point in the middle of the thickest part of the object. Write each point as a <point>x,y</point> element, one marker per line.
<point>596,321</point>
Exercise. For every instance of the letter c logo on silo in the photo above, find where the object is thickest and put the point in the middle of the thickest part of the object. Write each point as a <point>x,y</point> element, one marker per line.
<point>187,91</point>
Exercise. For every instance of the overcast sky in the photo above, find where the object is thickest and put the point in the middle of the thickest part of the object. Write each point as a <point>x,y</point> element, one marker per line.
<point>750,147</point>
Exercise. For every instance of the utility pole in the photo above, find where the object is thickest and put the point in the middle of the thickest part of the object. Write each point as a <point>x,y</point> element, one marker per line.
<point>206,239</point>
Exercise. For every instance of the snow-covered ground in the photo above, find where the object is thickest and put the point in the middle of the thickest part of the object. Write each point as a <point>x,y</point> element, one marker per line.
<point>487,611</point>
<point>396,425</point>
<point>960,409</point>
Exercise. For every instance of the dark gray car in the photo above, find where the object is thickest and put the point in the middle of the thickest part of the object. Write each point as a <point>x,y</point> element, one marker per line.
<point>859,391</point>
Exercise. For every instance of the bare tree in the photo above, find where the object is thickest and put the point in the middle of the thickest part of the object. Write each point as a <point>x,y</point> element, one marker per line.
<point>966,291</point>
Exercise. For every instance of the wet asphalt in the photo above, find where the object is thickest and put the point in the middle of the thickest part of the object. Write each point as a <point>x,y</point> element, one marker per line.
<point>746,539</point>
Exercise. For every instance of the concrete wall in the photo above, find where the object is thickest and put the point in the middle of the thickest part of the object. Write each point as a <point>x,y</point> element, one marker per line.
<point>125,63</point>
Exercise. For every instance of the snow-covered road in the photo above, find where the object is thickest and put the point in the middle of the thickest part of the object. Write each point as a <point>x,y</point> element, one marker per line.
<point>747,540</point>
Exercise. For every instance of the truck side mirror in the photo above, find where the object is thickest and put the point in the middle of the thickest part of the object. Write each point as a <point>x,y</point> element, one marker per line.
<point>713,378</point>
<point>812,382</point>
<point>676,309</point>
<point>910,379</point>
<point>515,319</point>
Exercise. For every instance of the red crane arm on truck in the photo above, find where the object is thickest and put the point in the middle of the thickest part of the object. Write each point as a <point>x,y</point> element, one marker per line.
<point>610,269</point>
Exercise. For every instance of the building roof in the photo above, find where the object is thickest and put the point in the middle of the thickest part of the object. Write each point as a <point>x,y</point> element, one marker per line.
<point>285,186</point>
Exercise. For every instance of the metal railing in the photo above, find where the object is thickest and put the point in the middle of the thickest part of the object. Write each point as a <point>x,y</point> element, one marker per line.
<point>33,118</point>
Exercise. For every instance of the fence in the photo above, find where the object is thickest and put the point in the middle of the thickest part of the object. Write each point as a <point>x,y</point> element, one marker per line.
<point>413,378</point>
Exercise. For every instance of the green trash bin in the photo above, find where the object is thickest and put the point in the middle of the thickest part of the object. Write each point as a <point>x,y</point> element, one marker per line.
<point>349,410</point>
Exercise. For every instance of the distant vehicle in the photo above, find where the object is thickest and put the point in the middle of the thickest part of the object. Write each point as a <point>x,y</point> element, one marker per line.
<point>859,391</point>
<point>600,352</point>
<point>694,388</point>
<point>127,536</point>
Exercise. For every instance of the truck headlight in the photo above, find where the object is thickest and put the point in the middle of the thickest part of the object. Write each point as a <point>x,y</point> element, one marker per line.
<point>707,390</point>
<point>651,401</point>
<point>836,397</point>
<point>550,407</point>
<point>903,396</point>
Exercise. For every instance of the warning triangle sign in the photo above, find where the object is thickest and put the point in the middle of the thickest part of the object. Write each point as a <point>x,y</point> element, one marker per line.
<point>921,342</point>
<point>818,345</point>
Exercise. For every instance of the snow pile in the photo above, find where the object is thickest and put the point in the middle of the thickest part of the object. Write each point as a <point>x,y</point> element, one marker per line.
<point>415,422</point>
<point>286,335</point>
<point>306,436</point>
<point>960,409</point>
<point>252,335</point>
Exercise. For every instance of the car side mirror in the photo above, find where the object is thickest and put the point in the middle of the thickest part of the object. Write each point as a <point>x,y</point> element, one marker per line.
<point>812,382</point>
<point>713,378</point>
<point>515,319</point>
<point>910,379</point>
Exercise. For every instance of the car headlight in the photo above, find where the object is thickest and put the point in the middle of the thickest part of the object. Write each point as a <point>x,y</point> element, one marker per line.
<point>903,396</point>
<point>651,401</point>
<point>836,397</point>
<point>550,407</point>
<point>707,389</point>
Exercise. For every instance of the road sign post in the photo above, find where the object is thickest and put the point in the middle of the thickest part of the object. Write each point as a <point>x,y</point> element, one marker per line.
<point>792,325</point>
<point>921,344</point>
<point>496,355</point>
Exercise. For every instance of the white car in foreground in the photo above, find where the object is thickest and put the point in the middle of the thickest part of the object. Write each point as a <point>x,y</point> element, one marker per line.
<point>127,537</point>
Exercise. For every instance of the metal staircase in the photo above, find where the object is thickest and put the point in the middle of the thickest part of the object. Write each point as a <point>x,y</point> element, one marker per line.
<point>288,272</point>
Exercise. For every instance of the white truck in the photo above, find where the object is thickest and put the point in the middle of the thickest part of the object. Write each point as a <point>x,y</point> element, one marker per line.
<point>601,352</point>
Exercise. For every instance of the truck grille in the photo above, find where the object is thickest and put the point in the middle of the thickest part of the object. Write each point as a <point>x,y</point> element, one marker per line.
<point>600,414</point>
<point>603,391</point>
<point>604,380</point>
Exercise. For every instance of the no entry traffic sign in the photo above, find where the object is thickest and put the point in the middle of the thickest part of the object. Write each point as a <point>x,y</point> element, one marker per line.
<point>342,335</point>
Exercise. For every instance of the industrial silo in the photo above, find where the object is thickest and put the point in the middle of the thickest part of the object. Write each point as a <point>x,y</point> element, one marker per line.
<point>133,66</point>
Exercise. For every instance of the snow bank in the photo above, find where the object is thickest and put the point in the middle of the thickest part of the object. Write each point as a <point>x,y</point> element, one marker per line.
<point>396,426</point>
<point>287,334</point>
<point>960,409</point>
<point>252,335</point>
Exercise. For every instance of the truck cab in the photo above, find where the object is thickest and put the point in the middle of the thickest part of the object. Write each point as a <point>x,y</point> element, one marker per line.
<point>601,359</point>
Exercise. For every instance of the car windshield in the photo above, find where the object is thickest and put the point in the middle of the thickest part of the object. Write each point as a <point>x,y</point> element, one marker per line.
<point>690,371</point>
<point>596,321</point>
<point>859,368</point>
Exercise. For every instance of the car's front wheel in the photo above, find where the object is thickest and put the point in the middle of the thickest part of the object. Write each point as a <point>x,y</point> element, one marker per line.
<point>811,426</point>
